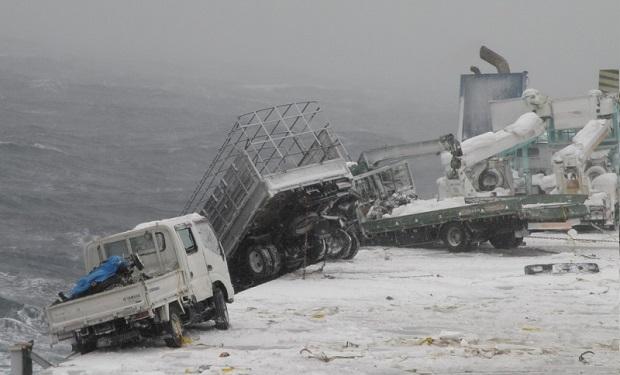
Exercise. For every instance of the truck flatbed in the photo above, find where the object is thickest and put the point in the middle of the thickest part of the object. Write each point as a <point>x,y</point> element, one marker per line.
<point>554,211</point>
<point>472,211</point>
<point>499,221</point>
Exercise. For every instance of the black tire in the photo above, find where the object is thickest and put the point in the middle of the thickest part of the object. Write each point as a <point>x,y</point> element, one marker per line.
<point>304,224</point>
<point>269,261</point>
<point>499,242</point>
<point>355,246</point>
<point>276,257</point>
<point>221,311</point>
<point>456,237</point>
<point>338,244</point>
<point>174,328</point>
<point>505,241</point>
<point>316,251</point>
<point>84,347</point>
<point>257,264</point>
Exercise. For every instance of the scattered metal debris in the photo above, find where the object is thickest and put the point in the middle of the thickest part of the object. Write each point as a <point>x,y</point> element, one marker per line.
<point>560,268</point>
<point>324,357</point>
<point>582,357</point>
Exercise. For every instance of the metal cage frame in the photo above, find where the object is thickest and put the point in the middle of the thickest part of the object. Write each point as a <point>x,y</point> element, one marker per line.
<point>275,140</point>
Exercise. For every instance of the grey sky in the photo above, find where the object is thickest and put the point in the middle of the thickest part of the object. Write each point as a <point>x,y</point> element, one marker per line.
<point>419,46</point>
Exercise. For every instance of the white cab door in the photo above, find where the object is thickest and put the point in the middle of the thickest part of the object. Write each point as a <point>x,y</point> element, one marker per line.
<point>200,281</point>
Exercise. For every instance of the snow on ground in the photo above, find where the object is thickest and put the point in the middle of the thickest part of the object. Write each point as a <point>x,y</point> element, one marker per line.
<point>394,311</point>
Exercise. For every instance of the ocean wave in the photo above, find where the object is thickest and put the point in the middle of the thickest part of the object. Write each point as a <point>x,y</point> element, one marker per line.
<point>49,148</point>
<point>38,146</point>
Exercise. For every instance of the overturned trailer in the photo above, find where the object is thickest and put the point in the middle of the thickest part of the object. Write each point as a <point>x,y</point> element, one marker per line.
<point>277,193</point>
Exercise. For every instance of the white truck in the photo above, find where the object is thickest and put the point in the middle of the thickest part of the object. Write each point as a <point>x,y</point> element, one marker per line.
<point>182,278</point>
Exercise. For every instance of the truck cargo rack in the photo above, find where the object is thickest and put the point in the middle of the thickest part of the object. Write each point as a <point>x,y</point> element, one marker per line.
<point>274,140</point>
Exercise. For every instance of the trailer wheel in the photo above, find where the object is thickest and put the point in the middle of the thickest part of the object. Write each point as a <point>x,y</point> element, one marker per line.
<point>456,237</point>
<point>221,311</point>
<point>174,328</point>
<point>339,244</point>
<point>355,246</point>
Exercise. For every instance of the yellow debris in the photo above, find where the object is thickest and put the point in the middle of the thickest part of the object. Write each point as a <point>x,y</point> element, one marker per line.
<point>426,341</point>
<point>186,340</point>
<point>531,329</point>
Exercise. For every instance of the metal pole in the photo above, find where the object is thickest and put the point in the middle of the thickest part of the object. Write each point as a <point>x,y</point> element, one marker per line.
<point>616,125</point>
<point>21,361</point>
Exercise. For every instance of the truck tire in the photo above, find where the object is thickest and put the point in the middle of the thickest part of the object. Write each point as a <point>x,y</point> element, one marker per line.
<point>84,347</point>
<point>258,263</point>
<point>316,250</point>
<point>505,241</point>
<point>338,244</point>
<point>268,261</point>
<point>221,311</point>
<point>304,224</point>
<point>174,327</point>
<point>276,258</point>
<point>355,246</point>
<point>456,237</point>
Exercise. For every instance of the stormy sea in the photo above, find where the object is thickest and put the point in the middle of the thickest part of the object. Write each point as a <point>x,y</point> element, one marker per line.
<point>86,152</point>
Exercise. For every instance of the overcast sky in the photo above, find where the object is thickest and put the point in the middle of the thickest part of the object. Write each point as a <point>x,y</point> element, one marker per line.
<point>421,46</point>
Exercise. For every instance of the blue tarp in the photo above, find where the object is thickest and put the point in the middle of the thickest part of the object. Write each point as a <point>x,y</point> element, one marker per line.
<point>101,273</point>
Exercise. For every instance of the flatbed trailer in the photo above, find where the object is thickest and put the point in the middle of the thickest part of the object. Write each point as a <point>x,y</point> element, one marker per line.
<point>500,221</point>
<point>554,211</point>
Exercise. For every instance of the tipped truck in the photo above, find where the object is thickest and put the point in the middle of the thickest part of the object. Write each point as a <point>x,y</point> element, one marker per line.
<point>278,193</point>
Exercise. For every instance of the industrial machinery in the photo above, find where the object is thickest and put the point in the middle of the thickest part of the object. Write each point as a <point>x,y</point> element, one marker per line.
<point>569,164</point>
<point>472,167</point>
<point>483,171</point>
<point>574,174</point>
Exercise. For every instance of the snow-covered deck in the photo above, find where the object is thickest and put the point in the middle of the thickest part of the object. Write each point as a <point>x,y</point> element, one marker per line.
<point>394,311</point>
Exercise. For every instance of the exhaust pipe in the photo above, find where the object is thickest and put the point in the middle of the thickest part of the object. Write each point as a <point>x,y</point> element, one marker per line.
<point>494,59</point>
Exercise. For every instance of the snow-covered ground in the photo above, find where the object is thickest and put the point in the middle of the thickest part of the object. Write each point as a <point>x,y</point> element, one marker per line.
<point>393,311</point>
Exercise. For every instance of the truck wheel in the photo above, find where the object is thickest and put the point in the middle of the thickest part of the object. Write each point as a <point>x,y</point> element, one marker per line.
<point>498,242</point>
<point>505,241</point>
<point>221,311</point>
<point>303,224</point>
<point>456,237</point>
<point>84,347</point>
<point>268,261</point>
<point>355,246</point>
<point>276,257</point>
<point>338,244</point>
<point>257,263</point>
<point>174,327</point>
<point>316,251</point>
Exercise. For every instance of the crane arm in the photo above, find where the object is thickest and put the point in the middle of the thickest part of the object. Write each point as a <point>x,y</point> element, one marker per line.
<point>379,156</point>
<point>570,162</point>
